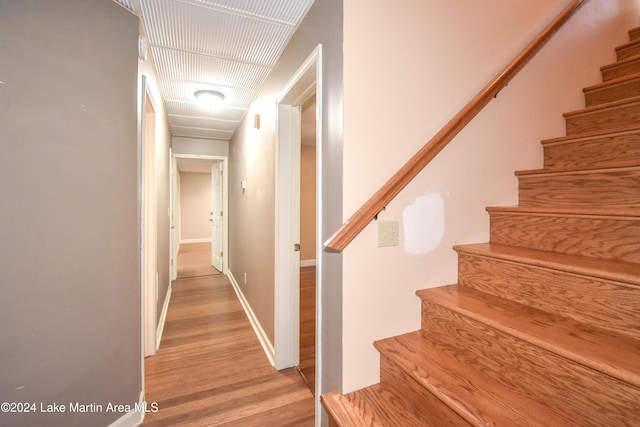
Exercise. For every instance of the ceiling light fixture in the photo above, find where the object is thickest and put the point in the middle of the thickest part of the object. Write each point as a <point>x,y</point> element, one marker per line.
<point>210,100</point>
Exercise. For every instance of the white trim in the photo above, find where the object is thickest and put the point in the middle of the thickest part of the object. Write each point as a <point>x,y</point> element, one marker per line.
<point>163,316</point>
<point>149,220</point>
<point>255,323</point>
<point>306,80</point>
<point>225,203</point>
<point>287,234</point>
<point>203,240</point>
<point>133,418</point>
<point>307,263</point>
<point>319,231</point>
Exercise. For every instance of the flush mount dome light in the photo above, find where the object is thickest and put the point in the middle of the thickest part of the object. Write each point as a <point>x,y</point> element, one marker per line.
<point>210,100</point>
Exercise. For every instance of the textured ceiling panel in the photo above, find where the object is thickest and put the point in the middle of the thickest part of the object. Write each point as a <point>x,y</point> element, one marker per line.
<point>191,109</point>
<point>202,123</point>
<point>127,4</point>
<point>202,133</point>
<point>183,91</point>
<point>177,65</point>
<point>188,27</point>
<point>285,11</point>
<point>225,45</point>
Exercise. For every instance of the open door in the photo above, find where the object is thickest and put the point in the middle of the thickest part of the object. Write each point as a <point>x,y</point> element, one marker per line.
<point>303,85</point>
<point>149,226</point>
<point>217,216</point>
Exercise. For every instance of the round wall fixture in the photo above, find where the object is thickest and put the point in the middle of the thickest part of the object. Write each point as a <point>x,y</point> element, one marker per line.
<point>142,47</point>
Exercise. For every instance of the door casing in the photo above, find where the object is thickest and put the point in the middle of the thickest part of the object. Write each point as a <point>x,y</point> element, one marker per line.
<point>306,81</point>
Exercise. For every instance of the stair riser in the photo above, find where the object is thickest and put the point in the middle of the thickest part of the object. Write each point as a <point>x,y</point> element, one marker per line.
<point>605,238</point>
<point>615,151</point>
<point>616,71</point>
<point>622,90</point>
<point>628,51</point>
<point>612,188</point>
<point>634,34</point>
<point>612,119</point>
<point>463,390</point>
<point>606,304</point>
<point>530,371</point>
<point>428,406</point>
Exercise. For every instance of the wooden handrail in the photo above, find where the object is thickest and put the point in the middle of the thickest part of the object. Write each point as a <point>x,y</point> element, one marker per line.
<point>371,208</point>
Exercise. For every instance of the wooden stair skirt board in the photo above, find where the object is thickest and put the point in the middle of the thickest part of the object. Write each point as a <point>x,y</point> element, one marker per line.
<point>543,326</point>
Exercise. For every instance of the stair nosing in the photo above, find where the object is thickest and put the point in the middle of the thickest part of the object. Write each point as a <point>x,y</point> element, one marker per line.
<point>582,171</point>
<point>453,403</point>
<point>567,263</point>
<point>594,109</point>
<point>550,142</point>
<point>619,63</point>
<point>558,347</point>
<point>629,214</point>
<point>618,81</point>
<point>630,43</point>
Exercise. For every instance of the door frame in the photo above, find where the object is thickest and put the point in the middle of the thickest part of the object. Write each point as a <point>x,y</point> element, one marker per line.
<point>149,222</point>
<point>173,219</point>
<point>225,202</point>
<point>306,80</point>
<point>218,169</point>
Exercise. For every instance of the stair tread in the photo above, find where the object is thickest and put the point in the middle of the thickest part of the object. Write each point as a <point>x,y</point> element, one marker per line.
<point>581,171</point>
<point>614,354</point>
<point>631,43</point>
<point>587,137</point>
<point>621,62</point>
<point>371,407</point>
<point>456,380</point>
<point>619,271</point>
<point>604,106</point>
<point>342,411</point>
<point>554,211</point>
<point>613,82</point>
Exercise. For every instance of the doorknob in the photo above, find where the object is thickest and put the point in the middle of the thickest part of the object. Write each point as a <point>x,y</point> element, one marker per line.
<point>296,247</point>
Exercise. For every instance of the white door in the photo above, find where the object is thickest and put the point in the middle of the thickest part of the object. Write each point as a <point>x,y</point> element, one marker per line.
<point>216,215</point>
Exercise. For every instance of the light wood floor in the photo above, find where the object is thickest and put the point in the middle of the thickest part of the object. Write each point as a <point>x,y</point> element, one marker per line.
<point>308,326</point>
<point>210,369</point>
<point>194,260</point>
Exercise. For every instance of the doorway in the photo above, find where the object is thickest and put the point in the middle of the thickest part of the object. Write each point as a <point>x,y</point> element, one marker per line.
<point>307,361</point>
<point>298,96</point>
<point>149,225</point>
<point>214,209</point>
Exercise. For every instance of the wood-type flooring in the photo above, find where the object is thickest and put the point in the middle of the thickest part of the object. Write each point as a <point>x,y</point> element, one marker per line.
<point>210,369</point>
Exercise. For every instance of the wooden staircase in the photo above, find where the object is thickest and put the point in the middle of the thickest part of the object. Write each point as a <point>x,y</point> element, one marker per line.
<point>543,326</point>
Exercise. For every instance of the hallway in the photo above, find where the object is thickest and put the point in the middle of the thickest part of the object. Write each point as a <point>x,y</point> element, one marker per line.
<point>210,369</point>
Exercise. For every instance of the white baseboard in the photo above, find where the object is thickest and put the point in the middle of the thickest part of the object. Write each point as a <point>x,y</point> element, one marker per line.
<point>267,346</point>
<point>307,263</point>
<point>196,240</point>
<point>133,418</point>
<point>163,317</point>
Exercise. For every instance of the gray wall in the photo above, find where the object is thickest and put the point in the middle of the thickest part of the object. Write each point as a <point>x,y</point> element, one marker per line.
<point>252,213</point>
<point>70,305</point>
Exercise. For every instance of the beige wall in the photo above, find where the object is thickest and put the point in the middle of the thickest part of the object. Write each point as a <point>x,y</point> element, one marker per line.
<point>407,71</point>
<point>195,206</point>
<point>201,147</point>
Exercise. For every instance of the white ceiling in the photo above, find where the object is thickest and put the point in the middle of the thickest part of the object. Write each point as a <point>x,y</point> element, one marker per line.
<point>229,46</point>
